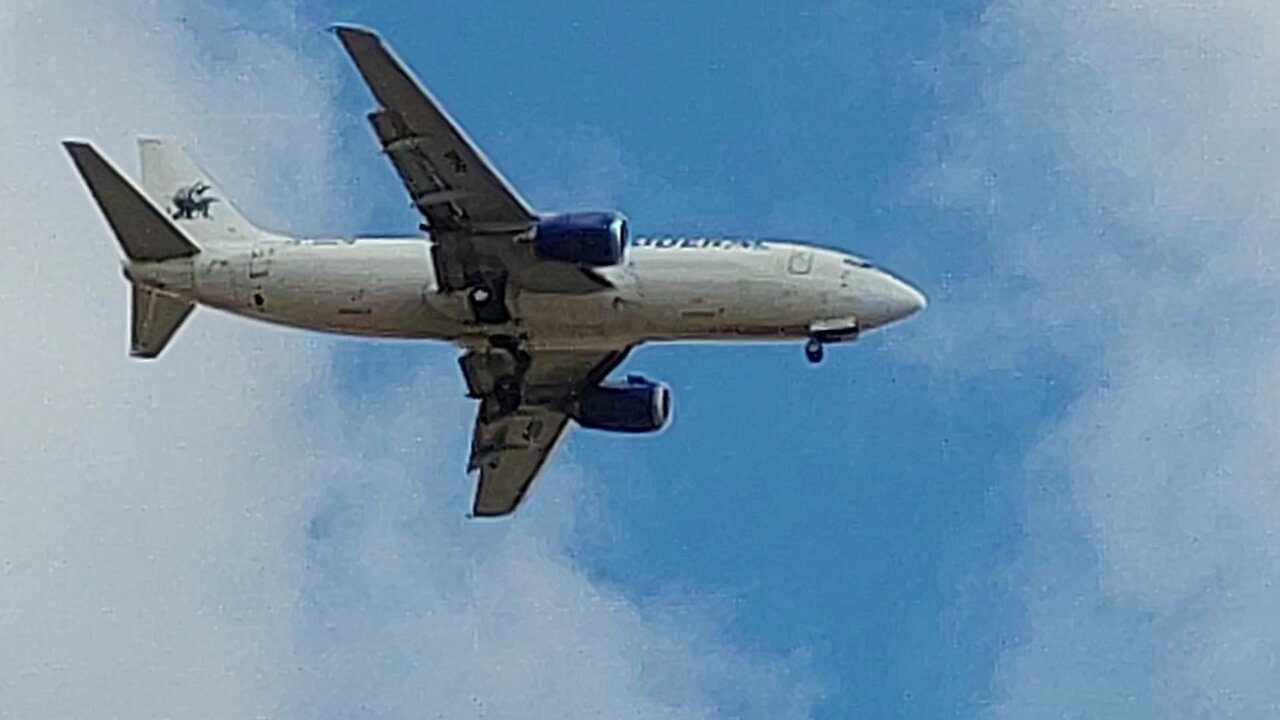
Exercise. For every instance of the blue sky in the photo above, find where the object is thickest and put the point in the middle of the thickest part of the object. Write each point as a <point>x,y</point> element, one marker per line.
<point>838,510</point>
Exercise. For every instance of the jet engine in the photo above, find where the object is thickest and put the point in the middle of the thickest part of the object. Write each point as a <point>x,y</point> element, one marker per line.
<point>635,406</point>
<point>592,239</point>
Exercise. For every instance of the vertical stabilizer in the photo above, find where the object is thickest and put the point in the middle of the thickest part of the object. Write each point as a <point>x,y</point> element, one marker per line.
<point>189,195</point>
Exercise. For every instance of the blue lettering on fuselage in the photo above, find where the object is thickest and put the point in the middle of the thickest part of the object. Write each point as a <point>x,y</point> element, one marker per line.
<point>668,242</point>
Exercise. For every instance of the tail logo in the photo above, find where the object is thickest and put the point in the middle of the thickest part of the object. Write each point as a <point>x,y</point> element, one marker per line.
<point>191,201</point>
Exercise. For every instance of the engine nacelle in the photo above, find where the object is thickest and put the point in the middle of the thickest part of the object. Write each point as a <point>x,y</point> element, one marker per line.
<point>635,406</point>
<point>592,239</point>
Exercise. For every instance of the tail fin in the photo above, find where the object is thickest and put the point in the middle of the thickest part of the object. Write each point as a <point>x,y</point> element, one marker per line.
<point>156,317</point>
<point>191,197</point>
<point>145,235</point>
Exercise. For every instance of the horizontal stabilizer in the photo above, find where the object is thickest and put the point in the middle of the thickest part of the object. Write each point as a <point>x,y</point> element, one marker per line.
<point>156,317</point>
<point>142,230</point>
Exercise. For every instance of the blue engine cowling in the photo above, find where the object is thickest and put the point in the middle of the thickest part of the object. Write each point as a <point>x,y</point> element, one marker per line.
<point>592,239</point>
<point>634,406</point>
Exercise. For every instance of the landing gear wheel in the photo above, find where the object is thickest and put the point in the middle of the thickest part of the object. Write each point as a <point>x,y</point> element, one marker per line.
<point>513,346</point>
<point>509,395</point>
<point>813,350</point>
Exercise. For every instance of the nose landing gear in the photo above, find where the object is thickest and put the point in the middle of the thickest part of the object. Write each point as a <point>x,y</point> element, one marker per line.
<point>813,350</point>
<point>842,330</point>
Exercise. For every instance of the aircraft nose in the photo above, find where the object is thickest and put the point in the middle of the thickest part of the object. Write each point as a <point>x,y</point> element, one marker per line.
<point>908,300</point>
<point>898,300</point>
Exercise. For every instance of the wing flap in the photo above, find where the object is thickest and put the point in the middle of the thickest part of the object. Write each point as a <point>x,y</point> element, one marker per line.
<point>510,453</point>
<point>433,197</point>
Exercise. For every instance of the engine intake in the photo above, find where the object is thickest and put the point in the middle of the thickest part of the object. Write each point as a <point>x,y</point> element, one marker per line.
<point>593,239</point>
<point>635,406</point>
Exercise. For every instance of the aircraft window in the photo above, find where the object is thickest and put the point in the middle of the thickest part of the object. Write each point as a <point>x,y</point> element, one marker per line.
<point>857,263</point>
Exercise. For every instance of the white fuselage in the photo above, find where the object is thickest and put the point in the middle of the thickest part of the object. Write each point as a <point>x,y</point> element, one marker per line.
<point>666,289</point>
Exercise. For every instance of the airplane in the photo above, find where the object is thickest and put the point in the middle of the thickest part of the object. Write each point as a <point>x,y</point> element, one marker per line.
<point>544,306</point>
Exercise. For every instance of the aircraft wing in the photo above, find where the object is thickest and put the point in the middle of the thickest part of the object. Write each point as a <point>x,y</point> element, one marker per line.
<point>509,448</point>
<point>472,213</point>
<point>451,182</point>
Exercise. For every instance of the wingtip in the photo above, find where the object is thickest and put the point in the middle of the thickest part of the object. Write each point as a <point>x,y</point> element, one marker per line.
<point>345,30</point>
<point>79,150</point>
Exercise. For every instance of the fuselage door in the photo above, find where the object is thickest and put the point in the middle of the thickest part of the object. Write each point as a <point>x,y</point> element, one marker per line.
<point>252,291</point>
<point>260,261</point>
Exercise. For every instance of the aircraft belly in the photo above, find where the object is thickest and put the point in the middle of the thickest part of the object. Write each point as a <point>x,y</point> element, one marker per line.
<point>369,288</point>
<point>710,294</point>
<point>575,318</point>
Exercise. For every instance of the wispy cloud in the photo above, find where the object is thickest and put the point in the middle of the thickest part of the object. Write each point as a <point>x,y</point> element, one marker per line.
<point>221,533</point>
<point>1122,158</point>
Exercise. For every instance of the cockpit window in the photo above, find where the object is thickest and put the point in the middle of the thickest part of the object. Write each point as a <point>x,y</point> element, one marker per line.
<point>856,262</point>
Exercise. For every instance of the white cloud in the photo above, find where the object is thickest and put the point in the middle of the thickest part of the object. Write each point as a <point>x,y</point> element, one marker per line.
<point>1123,158</point>
<point>221,533</point>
